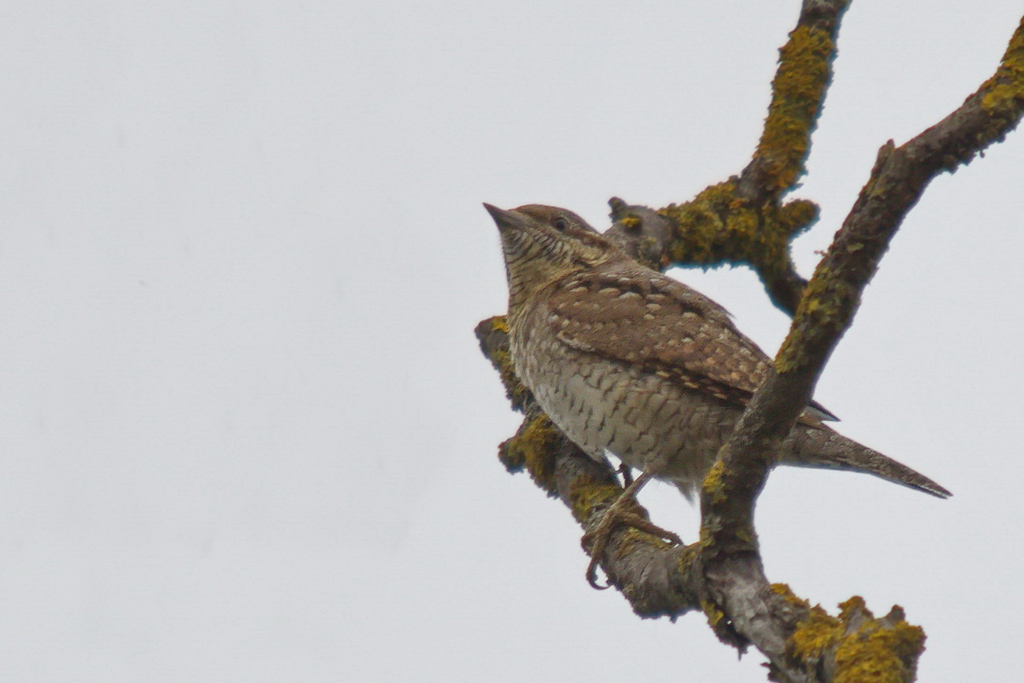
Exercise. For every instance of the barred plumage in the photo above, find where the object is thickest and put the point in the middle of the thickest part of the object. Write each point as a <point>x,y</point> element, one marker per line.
<point>629,361</point>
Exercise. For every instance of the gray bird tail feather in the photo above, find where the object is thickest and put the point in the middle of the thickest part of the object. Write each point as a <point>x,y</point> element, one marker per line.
<point>831,450</point>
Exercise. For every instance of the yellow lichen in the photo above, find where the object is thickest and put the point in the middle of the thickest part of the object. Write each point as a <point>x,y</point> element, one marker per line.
<point>631,222</point>
<point>883,655</point>
<point>533,448</point>
<point>499,323</point>
<point>786,593</point>
<point>1004,92</point>
<point>714,615</point>
<point>700,225</point>
<point>814,636</point>
<point>712,484</point>
<point>797,92</point>
<point>827,302</point>
<point>872,651</point>
<point>796,216</point>
<point>585,498</point>
<point>501,357</point>
<point>515,390</point>
<point>719,227</point>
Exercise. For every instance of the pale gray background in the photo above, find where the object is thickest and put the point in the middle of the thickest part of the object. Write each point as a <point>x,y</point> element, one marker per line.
<point>246,433</point>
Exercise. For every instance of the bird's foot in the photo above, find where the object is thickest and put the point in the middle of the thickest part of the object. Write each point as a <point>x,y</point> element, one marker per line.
<point>620,512</point>
<point>627,474</point>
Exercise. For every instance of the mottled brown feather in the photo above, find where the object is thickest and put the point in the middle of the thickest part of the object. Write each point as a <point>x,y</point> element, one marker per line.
<point>634,315</point>
<point>628,361</point>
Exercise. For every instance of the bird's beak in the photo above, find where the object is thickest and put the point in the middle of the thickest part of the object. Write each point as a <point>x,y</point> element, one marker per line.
<point>506,220</point>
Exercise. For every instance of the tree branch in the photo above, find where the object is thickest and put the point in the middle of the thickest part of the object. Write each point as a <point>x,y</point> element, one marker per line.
<point>826,311</point>
<point>657,578</point>
<point>744,220</point>
<point>722,573</point>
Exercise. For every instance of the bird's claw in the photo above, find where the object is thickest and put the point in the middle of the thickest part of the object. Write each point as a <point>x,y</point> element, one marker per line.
<point>620,513</point>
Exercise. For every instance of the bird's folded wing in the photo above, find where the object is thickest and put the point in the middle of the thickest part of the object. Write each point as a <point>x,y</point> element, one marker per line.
<point>663,326</point>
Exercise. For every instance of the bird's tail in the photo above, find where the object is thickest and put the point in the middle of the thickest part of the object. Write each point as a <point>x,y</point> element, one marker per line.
<point>822,447</point>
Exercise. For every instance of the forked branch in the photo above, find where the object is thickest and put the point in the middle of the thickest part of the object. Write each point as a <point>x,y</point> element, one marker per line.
<point>743,220</point>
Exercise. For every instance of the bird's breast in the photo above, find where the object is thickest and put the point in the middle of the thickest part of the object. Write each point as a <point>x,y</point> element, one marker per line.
<point>651,423</point>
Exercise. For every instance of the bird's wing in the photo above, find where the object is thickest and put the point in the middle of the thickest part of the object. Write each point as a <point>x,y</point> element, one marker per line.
<point>649,319</point>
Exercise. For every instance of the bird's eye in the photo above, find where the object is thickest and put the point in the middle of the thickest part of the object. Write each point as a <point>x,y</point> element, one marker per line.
<point>561,224</point>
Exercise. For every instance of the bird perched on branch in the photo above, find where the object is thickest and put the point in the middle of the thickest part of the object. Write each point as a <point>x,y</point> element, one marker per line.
<point>629,361</point>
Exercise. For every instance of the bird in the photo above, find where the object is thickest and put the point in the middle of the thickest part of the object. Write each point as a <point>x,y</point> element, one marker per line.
<point>630,362</point>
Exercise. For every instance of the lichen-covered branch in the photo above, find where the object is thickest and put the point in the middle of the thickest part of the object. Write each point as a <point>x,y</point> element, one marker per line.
<point>719,226</point>
<point>744,220</point>
<point>657,578</point>
<point>662,580</point>
<point>798,92</point>
<point>825,312</point>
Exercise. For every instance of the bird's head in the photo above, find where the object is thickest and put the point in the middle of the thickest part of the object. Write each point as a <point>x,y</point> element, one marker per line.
<point>543,244</point>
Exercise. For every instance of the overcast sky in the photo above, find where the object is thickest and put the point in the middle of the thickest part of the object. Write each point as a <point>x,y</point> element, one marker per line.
<point>246,433</point>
